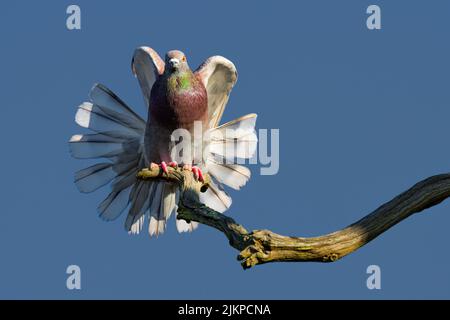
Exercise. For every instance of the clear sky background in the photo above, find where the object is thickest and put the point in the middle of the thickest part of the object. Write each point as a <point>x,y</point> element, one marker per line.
<point>363,115</point>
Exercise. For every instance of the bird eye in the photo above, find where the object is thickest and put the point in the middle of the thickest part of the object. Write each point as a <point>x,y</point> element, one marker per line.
<point>183,59</point>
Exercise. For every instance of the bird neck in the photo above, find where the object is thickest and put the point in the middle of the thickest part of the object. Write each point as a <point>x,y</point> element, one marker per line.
<point>181,80</point>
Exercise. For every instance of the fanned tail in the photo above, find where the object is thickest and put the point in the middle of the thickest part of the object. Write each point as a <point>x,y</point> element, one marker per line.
<point>117,136</point>
<point>226,144</point>
<point>118,139</point>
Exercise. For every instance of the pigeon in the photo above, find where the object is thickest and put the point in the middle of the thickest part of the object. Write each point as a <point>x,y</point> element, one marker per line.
<point>176,98</point>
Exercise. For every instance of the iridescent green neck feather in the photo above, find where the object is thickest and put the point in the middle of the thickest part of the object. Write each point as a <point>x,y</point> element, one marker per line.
<point>181,81</point>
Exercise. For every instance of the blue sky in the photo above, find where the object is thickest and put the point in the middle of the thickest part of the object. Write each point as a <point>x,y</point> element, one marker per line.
<point>362,115</point>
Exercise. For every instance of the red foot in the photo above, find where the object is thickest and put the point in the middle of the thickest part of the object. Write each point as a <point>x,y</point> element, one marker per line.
<point>173,164</point>
<point>198,174</point>
<point>196,171</point>
<point>163,166</point>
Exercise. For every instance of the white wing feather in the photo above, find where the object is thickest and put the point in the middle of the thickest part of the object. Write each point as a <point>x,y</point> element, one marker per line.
<point>147,66</point>
<point>218,75</point>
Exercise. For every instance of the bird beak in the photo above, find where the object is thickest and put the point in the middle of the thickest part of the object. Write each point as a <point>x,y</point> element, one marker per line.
<point>174,62</point>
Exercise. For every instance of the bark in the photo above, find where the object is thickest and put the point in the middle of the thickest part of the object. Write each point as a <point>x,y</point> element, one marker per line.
<point>263,246</point>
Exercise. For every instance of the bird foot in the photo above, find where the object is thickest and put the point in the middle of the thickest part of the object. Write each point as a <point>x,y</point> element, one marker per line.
<point>173,164</point>
<point>163,166</point>
<point>196,171</point>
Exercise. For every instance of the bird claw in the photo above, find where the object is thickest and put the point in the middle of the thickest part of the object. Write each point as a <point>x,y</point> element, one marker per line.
<point>196,171</point>
<point>163,166</point>
<point>173,164</point>
<point>198,174</point>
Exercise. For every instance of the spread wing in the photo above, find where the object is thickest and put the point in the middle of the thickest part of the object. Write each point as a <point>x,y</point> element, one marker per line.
<point>219,75</point>
<point>147,66</point>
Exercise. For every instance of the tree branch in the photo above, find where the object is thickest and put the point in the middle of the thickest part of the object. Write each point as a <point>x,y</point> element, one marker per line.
<point>263,246</point>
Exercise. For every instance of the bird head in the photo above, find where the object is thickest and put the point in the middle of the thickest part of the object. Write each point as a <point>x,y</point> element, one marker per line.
<point>176,61</point>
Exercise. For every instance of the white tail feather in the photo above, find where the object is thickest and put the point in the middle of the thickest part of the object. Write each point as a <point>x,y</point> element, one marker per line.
<point>216,198</point>
<point>233,175</point>
<point>94,177</point>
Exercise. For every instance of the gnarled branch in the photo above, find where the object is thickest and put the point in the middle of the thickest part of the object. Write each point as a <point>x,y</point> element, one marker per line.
<point>263,246</point>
